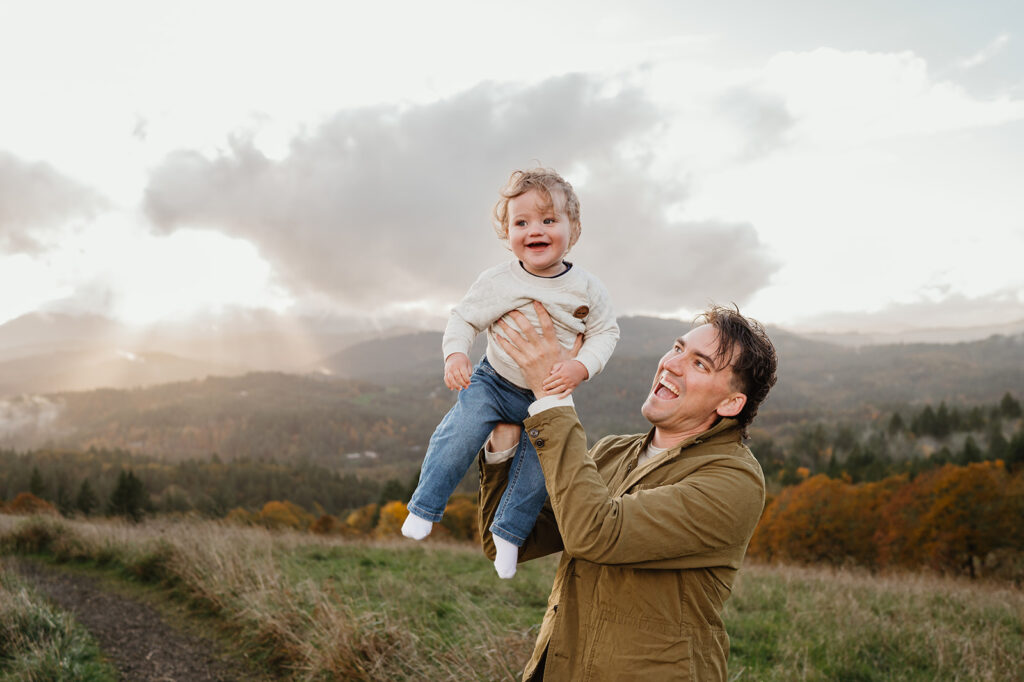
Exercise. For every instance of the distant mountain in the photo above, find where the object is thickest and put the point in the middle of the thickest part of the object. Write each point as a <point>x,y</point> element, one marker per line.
<point>930,335</point>
<point>386,395</point>
<point>42,353</point>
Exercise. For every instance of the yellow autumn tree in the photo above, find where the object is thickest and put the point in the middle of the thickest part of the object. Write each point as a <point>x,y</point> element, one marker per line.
<point>363,520</point>
<point>392,516</point>
<point>285,514</point>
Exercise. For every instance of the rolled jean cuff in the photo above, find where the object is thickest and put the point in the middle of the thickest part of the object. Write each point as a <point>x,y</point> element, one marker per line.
<point>424,514</point>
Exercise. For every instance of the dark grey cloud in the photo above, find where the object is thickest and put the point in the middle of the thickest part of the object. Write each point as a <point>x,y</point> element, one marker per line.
<point>34,197</point>
<point>388,203</point>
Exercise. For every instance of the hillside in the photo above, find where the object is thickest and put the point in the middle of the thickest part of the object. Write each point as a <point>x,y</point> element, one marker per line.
<point>386,396</point>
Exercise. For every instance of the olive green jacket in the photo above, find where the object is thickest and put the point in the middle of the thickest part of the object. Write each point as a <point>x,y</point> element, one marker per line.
<point>649,554</point>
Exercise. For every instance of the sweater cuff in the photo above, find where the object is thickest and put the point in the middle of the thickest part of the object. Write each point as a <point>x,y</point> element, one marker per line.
<point>549,401</point>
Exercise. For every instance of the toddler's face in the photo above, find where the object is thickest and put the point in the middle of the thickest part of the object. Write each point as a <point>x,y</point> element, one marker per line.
<point>538,233</point>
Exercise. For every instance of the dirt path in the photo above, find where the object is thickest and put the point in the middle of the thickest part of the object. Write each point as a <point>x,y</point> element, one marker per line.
<point>133,636</point>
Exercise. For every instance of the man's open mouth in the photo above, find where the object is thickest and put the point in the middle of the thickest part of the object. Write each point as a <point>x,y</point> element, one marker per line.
<point>664,389</point>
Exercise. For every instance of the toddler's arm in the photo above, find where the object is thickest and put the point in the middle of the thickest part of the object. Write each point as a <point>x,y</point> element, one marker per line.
<point>566,376</point>
<point>602,331</point>
<point>457,371</point>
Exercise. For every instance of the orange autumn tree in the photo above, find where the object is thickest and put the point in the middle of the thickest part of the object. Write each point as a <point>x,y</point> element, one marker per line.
<point>822,520</point>
<point>950,518</point>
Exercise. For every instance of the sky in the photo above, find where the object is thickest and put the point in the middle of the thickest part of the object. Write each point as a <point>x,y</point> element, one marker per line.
<point>827,166</point>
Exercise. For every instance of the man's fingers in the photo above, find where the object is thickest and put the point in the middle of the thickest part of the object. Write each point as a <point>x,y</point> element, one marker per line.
<point>546,325</point>
<point>577,344</point>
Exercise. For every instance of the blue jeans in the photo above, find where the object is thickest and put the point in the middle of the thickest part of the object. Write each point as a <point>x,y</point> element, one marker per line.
<point>457,440</point>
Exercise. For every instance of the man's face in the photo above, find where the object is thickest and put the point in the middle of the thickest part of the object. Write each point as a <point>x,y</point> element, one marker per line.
<point>690,390</point>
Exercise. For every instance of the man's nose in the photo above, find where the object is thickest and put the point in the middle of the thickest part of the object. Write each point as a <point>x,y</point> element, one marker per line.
<point>674,363</point>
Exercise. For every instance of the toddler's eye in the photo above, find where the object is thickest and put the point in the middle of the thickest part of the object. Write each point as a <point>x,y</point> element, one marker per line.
<point>519,223</point>
<point>549,221</point>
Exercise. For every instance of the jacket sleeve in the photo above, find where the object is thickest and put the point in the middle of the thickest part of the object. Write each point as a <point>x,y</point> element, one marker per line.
<point>704,519</point>
<point>544,539</point>
<point>602,332</point>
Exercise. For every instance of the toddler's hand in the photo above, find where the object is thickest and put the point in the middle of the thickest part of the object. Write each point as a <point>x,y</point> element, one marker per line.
<point>457,371</point>
<point>564,377</point>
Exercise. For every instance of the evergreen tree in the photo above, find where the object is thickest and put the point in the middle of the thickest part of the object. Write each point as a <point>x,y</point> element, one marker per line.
<point>997,445</point>
<point>86,502</point>
<point>1009,407</point>
<point>896,424</point>
<point>970,453</point>
<point>942,425</point>
<point>35,484</point>
<point>128,498</point>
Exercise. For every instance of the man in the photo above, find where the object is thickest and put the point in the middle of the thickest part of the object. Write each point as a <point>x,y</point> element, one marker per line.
<point>652,528</point>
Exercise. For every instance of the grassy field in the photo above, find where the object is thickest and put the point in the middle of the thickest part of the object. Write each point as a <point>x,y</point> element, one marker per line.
<point>313,608</point>
<point>38,642</point>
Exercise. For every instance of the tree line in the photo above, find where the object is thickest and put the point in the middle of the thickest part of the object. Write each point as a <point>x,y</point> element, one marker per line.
<point>888,443</point>
<point>955,519</point>
<point>117,482</point>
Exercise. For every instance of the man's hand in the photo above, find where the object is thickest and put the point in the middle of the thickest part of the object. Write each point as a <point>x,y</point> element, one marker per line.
<point>565,377</point>
<point>536,354</point>
<point>457,371</point>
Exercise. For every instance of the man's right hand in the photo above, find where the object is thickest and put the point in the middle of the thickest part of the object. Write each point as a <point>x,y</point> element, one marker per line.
<point>536,354</point>
<point>457,371</point>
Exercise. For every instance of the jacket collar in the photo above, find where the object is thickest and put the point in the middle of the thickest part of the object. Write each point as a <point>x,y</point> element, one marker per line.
<point>723,425</point>
<point>724,429</point>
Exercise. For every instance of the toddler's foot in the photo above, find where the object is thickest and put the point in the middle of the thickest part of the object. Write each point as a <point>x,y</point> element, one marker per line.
<point>505,558</point>
<point>416,528</point>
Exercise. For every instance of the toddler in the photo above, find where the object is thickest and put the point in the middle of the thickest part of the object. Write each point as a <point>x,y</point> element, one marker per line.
<point>539,217</point>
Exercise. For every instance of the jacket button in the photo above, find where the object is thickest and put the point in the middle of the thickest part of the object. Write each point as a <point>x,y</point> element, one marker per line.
<point>539,443</point>
<point>534,433</point>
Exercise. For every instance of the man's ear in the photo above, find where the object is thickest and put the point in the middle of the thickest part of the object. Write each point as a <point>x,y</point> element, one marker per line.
<point>732,406</point>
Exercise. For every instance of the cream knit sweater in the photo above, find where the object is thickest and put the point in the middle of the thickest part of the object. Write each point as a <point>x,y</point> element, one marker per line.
<point>576,301</point>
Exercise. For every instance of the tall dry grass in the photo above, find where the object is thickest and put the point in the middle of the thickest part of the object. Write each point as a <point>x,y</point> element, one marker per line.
<point>302,628</point>
<point>316,608</point>
<point>40,643</point>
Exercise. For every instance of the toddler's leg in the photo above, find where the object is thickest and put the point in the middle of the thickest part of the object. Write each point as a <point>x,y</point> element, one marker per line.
<point>506,557</point>
<point>520,504</point>
<point>416,528</point>
<point>450,453</point>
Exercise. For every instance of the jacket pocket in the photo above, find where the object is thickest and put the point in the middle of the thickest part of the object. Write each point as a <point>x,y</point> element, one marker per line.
<point>627,648</point>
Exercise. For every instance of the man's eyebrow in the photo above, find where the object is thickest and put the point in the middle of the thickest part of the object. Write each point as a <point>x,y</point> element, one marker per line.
<point>710,361</point>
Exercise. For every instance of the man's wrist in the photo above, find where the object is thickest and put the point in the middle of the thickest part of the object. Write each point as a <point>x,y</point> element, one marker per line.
<point>549,401</point>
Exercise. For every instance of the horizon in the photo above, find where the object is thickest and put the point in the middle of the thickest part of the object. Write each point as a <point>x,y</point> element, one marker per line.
<point>840,170</point>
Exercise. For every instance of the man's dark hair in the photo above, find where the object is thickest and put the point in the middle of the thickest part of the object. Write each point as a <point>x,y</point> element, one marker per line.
<point>744,346</point>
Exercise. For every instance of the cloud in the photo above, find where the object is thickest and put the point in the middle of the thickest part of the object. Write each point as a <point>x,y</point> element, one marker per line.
<point>849,98</point>
<point>761,119</point>
<point>942,310</point>
<point>34,197</point>
<point>986,53</point>
<point>392,205</point>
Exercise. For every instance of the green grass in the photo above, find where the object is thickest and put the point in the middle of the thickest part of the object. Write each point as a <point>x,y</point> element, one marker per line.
<point>314,608</point>
<point>38,642</point>
<point>791,623</point>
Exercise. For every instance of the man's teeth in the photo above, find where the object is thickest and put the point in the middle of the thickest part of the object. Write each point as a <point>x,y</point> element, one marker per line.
<point>664,382</point>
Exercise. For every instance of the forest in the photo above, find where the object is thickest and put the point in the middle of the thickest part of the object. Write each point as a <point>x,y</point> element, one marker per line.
<point>937,486</point>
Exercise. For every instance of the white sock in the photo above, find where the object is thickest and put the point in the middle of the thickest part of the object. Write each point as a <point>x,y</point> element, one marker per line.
<point>505,558</point>
<point>416,528</point>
